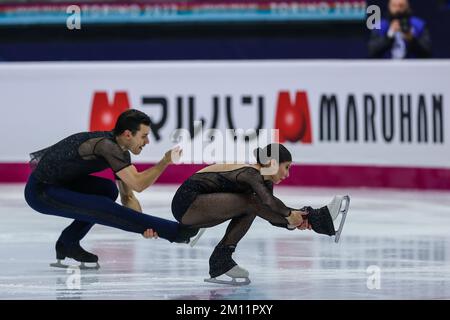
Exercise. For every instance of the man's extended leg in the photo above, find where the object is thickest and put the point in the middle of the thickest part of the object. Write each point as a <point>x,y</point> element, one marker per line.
<point>59,201</point>
<point>78,229</point>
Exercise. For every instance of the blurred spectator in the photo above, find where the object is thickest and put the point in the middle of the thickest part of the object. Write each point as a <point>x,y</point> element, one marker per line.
<point>401,36</point>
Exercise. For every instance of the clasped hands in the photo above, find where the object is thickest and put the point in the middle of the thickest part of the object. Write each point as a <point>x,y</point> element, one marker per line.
<point>299,219</point>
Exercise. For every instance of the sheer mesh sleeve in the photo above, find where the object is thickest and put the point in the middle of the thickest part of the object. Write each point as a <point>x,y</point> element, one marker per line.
<point>253,178</point>
<point>113,154</point>
<point>36,156</point>
<point>269,185</point>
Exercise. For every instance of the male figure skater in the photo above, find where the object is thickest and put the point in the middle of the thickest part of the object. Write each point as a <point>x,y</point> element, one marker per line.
<point>61,185</point>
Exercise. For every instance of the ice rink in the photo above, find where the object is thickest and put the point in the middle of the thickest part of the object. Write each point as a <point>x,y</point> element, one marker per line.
<point>395,245</point>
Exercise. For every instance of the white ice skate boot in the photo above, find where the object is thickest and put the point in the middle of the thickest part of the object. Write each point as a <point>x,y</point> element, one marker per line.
<point>237,276</point>
<point>324,220</point>
<point>221,264</point>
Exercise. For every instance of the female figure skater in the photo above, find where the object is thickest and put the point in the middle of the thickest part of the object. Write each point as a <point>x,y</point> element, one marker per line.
<point>240,192</point>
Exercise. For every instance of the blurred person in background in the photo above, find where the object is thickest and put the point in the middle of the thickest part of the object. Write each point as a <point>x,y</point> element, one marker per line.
<point>401,35</point>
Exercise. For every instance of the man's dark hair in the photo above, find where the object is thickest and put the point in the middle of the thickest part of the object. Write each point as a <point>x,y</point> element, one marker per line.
<point>130,120</point>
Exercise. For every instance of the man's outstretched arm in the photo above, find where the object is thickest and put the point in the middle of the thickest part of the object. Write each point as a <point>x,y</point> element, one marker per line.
<point>139,181</point>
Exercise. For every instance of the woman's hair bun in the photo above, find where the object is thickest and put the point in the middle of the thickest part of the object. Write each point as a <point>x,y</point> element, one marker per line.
<point>257,153</point>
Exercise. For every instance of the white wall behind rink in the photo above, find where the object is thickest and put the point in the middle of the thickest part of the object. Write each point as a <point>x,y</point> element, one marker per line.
<point>44,102</point>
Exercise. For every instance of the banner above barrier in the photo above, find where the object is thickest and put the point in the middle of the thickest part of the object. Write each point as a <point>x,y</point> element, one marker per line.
<point>186,11</point>
<point>334,113</point>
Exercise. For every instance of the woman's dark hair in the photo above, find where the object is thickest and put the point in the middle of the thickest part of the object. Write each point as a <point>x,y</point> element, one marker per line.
<point>272,151</point>
<point>130,120</point>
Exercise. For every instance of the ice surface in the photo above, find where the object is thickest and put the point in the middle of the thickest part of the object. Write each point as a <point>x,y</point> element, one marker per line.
<point>405,235</point>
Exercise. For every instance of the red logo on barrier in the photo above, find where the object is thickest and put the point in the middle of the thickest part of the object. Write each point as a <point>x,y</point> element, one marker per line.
<point>293,119</point>
<point>105,114</point>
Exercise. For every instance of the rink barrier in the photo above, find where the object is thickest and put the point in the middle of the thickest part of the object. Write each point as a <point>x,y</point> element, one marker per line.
<point>300,175</point>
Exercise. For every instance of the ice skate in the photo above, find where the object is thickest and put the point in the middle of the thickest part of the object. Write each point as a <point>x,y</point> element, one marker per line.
<point>323,220</point>
<point>185,233</point>
<point>339,205</point>
<point>222,265</point>
<point>194,241</point>
<point>237,276</point>
<point>77,253</point>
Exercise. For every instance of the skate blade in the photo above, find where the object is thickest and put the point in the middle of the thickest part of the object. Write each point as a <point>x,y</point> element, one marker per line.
<point>343,211</point>
<point>195,240</point>
<point>232,282</point>
<point>82,266</point>
<point>58,264</point>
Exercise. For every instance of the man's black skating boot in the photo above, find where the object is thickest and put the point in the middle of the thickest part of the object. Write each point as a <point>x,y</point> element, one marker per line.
<point>76,252</point>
